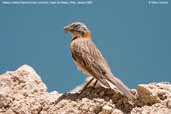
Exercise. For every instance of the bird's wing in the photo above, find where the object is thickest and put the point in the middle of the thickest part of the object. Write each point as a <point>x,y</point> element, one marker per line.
<point>88,56</point>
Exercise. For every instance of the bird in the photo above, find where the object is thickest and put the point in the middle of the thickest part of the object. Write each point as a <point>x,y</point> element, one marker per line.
<point>90,60</point>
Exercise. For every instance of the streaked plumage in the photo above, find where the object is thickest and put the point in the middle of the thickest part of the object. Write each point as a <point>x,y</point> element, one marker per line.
<point>89,59</point>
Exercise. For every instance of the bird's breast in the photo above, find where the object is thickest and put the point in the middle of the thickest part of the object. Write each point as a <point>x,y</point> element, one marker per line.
<point>81,68</point>
<point>78,43</point>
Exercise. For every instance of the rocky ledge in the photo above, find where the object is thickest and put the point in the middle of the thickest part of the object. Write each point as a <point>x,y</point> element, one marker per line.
<point>23,92</point>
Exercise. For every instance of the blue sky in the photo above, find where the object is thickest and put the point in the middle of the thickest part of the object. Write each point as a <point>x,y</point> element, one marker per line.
<point>133,36</point>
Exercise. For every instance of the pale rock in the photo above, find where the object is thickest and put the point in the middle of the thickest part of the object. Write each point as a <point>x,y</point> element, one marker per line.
<point>107,109</point>
<point>23,92</point>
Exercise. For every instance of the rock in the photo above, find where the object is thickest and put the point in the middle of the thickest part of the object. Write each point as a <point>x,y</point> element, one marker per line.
<point>147,94</point>
<point>23,92</point>
<point>117,111</point>
<point>154,109</point>
<point>154,92</point>
<point>168,103</point>
<point>107,109</point>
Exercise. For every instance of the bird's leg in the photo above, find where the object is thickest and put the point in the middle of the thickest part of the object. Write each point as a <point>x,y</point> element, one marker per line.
<point>86,85</point>
<point>94,85</point>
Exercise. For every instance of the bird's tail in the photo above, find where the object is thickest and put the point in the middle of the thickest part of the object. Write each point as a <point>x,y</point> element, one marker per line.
<point>114,81</point>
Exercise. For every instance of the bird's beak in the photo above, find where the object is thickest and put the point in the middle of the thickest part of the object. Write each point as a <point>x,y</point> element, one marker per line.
<point>67,29</point>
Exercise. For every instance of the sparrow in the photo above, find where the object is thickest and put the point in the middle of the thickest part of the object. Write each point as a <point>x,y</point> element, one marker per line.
<point>90,60</point>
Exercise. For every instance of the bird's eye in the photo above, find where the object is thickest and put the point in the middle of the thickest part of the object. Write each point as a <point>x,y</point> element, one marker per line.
<point>76,26</point>
<point>73,25</point>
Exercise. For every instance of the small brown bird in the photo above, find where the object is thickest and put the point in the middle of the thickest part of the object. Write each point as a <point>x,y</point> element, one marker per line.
<point>89,59</point>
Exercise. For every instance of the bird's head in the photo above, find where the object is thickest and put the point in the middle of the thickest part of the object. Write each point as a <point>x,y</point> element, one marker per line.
<point>77,29</point>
